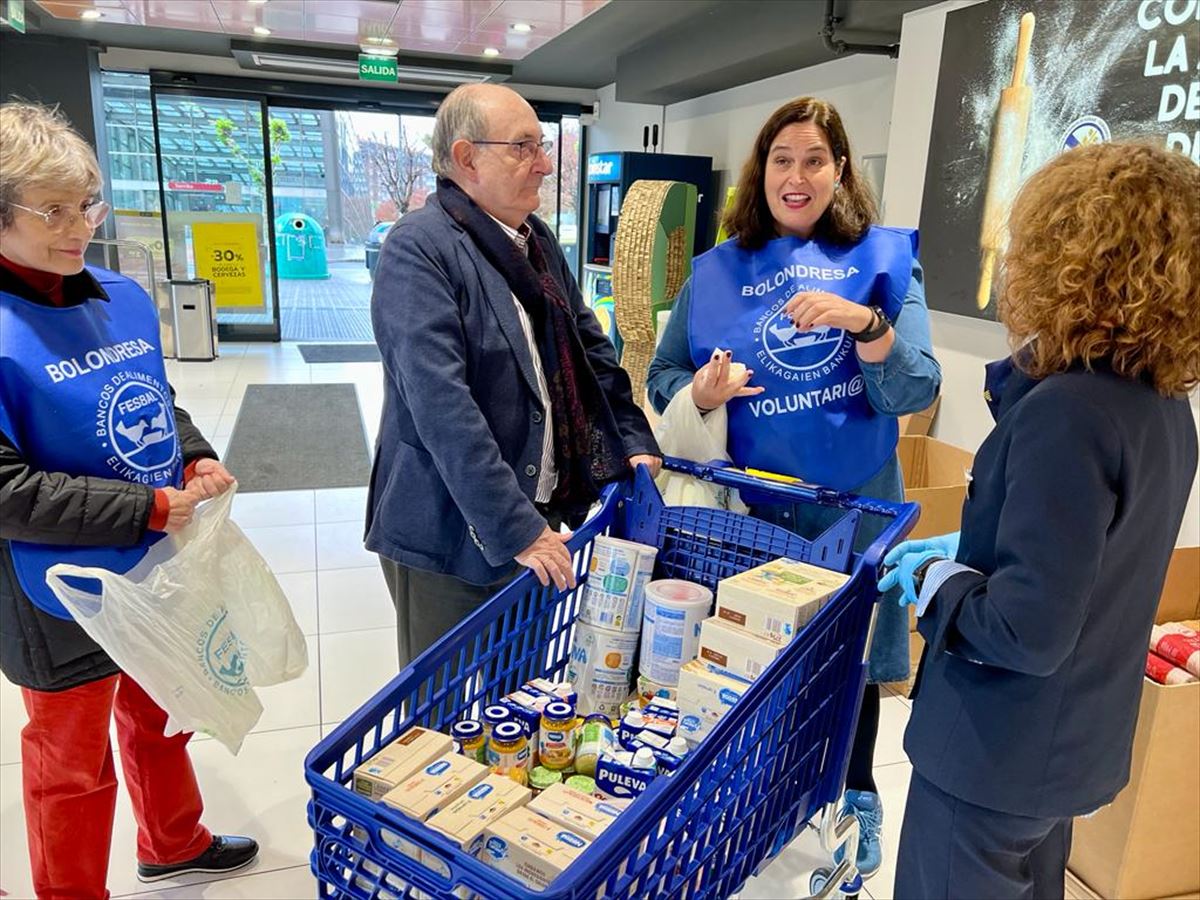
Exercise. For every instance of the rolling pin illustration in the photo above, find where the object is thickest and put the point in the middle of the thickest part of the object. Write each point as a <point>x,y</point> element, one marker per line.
<point>1004,170</point>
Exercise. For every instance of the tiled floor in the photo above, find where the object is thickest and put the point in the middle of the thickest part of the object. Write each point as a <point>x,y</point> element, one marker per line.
<point>312,540</point>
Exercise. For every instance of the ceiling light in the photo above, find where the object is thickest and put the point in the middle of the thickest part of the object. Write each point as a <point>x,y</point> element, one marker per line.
<point>490,51</point>
<point>261,31</point>
<point>91,14</point>
<point>522,27</point>
<point>256,2</point>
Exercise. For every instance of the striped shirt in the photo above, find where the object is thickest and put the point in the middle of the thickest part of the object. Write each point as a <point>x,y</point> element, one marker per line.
<point>547,474</point>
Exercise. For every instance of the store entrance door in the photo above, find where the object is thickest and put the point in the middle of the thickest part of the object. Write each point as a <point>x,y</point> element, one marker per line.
<point>215,185</point>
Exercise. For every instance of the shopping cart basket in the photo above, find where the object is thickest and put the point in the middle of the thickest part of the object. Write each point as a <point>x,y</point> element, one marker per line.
<point>776,758</point>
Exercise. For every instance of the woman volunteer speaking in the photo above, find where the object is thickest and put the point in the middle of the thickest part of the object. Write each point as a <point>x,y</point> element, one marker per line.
<point>96,464</point>
<point>828,313</point>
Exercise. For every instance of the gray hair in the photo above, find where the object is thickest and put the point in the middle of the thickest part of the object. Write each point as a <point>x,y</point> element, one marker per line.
<point>460,117</point>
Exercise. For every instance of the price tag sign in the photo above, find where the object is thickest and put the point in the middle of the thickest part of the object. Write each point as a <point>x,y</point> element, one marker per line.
<point>226,254</point>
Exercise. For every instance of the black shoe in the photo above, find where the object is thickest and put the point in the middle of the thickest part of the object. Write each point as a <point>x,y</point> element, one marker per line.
<point>226,853</point>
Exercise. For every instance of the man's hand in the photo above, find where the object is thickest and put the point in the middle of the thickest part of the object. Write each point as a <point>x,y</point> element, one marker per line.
<point>817,309</point>
<point>653,463</point>
<point>183,507</point>
<point>712,385</point>
<point>209,479</point>
<point>550,559</point>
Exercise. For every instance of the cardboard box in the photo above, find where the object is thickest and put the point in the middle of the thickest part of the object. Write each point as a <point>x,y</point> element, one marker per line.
<point>920,423</point>
<point>704,698</point>
<point>530,848</point>
<point>1144,844</point>
<point>776,599</point>
<point>398,760</point>
<point>434,786</point>
<point>935,476</point>
<point>464,820</point>
<point>734,649</point>
<point>584,814</point>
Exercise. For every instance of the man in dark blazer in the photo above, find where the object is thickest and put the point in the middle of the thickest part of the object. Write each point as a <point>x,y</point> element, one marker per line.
<point>504,406</point>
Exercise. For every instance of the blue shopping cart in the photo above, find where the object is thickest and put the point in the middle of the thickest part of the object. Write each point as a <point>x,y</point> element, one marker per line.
<point>772,763</point>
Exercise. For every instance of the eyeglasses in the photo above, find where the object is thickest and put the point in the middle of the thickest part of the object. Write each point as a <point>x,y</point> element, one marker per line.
<point>59,218</point>
<point>525,149</point>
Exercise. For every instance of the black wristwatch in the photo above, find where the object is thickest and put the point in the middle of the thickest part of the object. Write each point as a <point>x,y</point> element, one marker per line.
<point>921,571</point>
<point>877,329</point>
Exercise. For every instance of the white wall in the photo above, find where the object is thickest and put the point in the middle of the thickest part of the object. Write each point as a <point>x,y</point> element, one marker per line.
<point>962,345</point>
<point>724,125</point>
<point>619,126</point>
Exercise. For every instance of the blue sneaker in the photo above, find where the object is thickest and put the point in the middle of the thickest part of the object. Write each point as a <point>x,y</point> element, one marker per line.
<point>868,809</point>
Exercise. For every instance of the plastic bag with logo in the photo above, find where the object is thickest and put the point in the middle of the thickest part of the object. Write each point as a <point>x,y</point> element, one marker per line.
<point>198,623</point>
<point>683,432</point>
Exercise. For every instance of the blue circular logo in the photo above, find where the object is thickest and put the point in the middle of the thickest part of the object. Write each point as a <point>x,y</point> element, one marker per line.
<point>1085,131</point>
<point>141,426</point>
<point>799,350</point>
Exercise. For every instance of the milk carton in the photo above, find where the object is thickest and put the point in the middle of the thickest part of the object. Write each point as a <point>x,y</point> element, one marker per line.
<point>775,600</point>
<point>530,848</point>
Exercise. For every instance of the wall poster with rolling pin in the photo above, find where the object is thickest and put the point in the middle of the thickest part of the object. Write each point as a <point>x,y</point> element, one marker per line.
<point>1024,80</point>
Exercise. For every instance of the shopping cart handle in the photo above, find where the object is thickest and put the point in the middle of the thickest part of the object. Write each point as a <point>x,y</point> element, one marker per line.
<point>723,473</point>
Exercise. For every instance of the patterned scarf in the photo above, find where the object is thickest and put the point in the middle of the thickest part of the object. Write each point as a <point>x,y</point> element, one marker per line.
<point>588,449</point>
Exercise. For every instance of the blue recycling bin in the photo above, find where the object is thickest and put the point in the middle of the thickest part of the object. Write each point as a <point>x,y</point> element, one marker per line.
<point>300,247</point>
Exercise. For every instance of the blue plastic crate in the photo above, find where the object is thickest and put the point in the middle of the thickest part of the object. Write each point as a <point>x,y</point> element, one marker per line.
<point>775,759</point>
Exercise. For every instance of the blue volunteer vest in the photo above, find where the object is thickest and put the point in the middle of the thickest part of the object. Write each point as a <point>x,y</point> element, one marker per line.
<point>83,390</point>
<point>814,420</point>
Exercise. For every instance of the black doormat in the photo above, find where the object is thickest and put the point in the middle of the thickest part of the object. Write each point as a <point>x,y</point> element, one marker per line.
<point>290,437</point>
<point>339,353</point>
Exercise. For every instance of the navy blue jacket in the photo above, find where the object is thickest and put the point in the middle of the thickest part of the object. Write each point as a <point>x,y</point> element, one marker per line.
<point>1029,688</point>
<point>460,439</point>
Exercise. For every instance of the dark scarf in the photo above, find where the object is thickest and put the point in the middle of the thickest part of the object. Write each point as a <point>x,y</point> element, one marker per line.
<point>588,449</point>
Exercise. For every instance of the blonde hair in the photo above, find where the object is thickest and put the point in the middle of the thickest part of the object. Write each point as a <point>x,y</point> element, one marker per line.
<point>1104,264</point>
<point>39,149</point>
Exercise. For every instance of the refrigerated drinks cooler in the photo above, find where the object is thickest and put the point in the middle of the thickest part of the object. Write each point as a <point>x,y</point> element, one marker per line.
<point>609,176</point>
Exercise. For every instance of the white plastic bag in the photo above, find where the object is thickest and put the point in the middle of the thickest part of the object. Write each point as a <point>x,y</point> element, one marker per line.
<point>685,433</point>
<point>198,623</point>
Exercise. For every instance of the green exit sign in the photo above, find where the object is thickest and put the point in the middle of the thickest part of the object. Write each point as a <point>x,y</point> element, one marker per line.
<point>376,68</point>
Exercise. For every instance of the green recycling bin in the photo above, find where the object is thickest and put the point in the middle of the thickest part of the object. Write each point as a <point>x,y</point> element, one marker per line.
<point>300,247</point>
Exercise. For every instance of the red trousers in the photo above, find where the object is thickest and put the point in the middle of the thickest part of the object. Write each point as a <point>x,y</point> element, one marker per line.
<point>71,787</point>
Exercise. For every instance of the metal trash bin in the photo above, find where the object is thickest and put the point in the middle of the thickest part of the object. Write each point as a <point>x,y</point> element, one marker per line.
<point>193,319</point>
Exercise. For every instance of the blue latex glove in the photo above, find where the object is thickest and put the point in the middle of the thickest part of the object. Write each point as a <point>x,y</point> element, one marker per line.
<point>945,544</point>
<point>902,574</point>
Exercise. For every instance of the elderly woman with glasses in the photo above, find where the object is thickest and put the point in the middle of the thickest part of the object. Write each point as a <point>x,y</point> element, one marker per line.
<point>96,464</point>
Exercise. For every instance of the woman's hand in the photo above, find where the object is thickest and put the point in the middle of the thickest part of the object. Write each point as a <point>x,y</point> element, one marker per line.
<point>816,309</point>
<point>183,507</point>
<point>716,382</point>
<point>209,479</point>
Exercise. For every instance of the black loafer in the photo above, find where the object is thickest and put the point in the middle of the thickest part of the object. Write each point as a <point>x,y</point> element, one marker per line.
<point>226,853</point>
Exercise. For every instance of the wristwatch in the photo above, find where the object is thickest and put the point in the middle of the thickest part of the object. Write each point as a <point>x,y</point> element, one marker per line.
<point>921,571</point>
<point>877,329</point>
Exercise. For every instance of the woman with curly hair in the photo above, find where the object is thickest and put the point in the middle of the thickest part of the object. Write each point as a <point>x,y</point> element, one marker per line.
<point>1037,615</point>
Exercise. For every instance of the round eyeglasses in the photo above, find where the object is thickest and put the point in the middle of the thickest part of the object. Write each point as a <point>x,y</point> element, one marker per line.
<point>59,217</point>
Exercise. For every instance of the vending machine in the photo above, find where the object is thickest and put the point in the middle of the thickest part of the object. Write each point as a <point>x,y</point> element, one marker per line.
<point>609,176</point>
